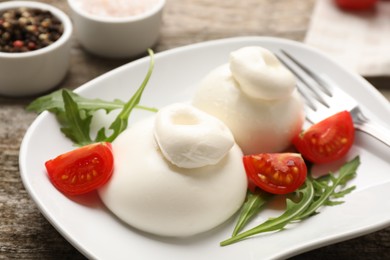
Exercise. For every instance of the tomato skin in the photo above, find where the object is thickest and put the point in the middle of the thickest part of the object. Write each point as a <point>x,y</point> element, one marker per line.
<point>276,173</point>
<point>356,4</point>
<point>82,170</point>
<point>328,140</point>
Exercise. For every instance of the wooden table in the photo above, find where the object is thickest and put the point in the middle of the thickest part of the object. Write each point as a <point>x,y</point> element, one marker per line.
<point>26,234</point>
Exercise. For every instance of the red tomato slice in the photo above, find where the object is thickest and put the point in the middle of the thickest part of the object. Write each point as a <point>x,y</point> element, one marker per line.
<point>328,140</point>
<point>356,4</point>
<point>82,170</point>
<point>277,173</point>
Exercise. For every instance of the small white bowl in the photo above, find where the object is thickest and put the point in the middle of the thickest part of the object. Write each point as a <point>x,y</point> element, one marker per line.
<point>117,37</point>
<point>37,71</point>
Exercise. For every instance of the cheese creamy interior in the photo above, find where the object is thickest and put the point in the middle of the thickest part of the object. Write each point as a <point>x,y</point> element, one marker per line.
<point>256,97</point>
<point>150,192</point>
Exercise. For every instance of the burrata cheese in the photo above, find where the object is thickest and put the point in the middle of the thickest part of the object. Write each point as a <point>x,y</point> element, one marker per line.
<point>152,194</point>
<point>256,97</point>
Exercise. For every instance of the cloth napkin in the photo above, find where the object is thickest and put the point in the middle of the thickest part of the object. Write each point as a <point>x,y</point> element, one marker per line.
<point>358,40</point>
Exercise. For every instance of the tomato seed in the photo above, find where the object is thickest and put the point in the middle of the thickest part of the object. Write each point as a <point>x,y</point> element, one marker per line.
<point>289,178</point>
<point>262,177</point>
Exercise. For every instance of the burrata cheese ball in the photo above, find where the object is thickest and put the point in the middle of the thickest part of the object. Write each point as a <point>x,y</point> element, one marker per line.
<point>256,97</point>
<point>176,174</point>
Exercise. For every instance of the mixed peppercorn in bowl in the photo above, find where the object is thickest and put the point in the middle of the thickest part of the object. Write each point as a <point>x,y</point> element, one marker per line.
<point>35,42</point>
<point>26,29</point>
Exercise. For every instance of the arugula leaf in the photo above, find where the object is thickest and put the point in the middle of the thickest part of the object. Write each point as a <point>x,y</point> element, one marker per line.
<point>254,202</point>
<point>77,128</point>
<point>75,113</point>
<point>120,123</point>
<point>54,102</point>
<point>314,194</point>
<point>326,187</point>
<point>292,211</point>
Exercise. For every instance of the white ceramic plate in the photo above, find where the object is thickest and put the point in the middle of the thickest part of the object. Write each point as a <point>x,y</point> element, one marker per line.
<point>90,227</point>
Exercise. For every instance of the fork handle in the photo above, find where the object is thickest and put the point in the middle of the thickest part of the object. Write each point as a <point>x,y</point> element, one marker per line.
<point>376,130</point>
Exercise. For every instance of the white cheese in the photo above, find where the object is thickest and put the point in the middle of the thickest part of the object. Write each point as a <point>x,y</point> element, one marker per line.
<point>260,74</point>
<point>191,138</point>
<point>258,124</point>
<point>151,194</point>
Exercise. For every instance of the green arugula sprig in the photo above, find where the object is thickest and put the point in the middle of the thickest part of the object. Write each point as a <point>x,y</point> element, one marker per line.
<point>314,194</point>
<point>293,210</point>
<point>54,103</point>
<point>75,113</point>
<point>326,187</point>
<point>254,203</point>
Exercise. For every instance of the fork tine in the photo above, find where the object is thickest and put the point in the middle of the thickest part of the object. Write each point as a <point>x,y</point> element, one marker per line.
<point>306,97</point>
<point>303,85</point>
<point>323,85</point>
<point>301,89</point>
<point>306,82</point>
<point>336,97</point>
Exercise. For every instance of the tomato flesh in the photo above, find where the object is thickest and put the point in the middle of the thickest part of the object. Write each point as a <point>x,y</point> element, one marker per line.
<point>82,170</point>
<point>277,173</point>
<point>328,140</point>
<point>356,4</point>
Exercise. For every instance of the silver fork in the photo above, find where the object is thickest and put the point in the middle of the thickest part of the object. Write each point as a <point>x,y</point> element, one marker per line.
<point>323,98</point>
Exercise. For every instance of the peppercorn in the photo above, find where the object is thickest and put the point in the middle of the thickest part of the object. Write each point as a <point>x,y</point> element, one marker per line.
<point>27,29</point>
<point>31,46</point>
<point>18,44</point>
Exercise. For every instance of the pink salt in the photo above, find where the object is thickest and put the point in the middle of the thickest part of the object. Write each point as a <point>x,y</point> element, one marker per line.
<point>116,8</point>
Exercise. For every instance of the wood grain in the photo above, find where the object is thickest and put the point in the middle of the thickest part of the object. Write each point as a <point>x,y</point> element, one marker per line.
<point>26,234</point>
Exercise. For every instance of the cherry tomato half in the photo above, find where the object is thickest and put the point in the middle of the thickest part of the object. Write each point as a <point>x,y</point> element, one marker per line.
<point>277,173</point>
<point>82,170</point>
<point>328,140</point>
<point>356,4</point>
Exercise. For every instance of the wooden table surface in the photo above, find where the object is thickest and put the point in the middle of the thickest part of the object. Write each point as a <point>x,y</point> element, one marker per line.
<point>26,234</point>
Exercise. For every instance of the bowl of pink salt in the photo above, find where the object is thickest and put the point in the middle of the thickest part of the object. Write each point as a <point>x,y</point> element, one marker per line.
<point>117,28</point>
